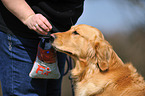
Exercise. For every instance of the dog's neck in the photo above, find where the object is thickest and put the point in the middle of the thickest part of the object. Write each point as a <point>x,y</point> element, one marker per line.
<point>82,66</point>
<point>77,72</point>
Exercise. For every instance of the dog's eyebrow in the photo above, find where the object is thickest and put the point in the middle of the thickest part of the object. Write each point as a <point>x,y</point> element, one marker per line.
<point>75,32</point>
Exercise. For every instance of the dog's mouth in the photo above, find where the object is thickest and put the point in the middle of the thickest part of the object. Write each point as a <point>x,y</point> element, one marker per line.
<point>63,51</point>
<point>67,52</point>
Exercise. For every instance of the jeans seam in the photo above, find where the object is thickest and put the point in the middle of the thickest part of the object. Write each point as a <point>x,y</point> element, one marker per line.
<point>11,56</point>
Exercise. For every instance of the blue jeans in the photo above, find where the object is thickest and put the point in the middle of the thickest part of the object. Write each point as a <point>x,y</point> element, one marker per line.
<point>17,55</point>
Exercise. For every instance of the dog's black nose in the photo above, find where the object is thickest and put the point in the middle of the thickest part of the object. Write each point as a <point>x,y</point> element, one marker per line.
<point>52,37</point>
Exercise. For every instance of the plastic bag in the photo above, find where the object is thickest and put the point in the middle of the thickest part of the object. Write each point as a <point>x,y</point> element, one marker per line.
<point>45,65</point>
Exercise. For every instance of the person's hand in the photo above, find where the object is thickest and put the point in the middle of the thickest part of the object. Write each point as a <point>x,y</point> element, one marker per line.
<point>38,23</point>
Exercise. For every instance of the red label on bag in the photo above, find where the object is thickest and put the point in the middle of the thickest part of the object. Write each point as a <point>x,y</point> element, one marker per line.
<point>47,56</point>
<point>43,70</point>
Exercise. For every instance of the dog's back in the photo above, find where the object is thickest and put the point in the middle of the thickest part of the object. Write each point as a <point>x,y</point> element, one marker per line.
<point>125,82</point>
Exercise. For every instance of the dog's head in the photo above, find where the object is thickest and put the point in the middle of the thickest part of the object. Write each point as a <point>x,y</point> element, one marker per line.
<point>84,43</point>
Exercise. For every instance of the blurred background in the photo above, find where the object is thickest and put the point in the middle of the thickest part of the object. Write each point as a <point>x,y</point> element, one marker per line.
<point>123,24</point>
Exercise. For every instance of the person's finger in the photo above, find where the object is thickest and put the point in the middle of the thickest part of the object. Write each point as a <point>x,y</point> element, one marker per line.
<point>39,30</point>
<point>43,26</point>
<point>46,22</point>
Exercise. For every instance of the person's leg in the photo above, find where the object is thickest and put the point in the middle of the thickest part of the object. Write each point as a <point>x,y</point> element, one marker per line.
<point>16,60</point>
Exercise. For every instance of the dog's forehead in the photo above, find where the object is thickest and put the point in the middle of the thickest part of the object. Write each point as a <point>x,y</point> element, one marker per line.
<point>88,31</point>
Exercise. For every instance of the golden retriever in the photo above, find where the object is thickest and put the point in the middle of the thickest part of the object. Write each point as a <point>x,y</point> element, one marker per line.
<point>98,70</point>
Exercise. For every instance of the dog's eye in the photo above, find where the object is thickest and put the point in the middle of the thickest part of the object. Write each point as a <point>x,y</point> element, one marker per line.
<point>76,33</point>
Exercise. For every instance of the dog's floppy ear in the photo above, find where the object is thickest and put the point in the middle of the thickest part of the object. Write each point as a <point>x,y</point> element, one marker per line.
<point>103,55</point>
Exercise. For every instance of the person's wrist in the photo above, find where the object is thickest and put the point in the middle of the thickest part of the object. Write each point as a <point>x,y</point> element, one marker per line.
<point>27,18</point>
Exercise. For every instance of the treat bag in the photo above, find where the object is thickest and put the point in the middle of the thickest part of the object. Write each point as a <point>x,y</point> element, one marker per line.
<point>45,65</point>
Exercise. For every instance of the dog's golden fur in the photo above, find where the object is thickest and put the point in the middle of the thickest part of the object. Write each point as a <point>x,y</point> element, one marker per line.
<point>98,71</point>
